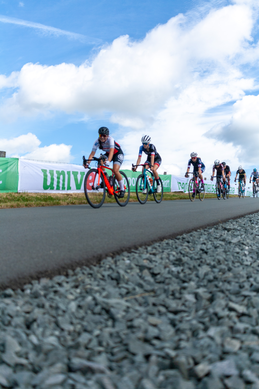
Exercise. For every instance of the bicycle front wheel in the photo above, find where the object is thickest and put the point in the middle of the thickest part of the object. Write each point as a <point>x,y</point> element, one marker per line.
<point>94,188</point>
<point>122,201</point>
<point>142,189</point>
<point>158,196</point>
<point>192,189</point>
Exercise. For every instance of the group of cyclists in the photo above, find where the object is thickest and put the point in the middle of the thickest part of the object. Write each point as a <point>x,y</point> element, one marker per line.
<point>222,171</point>
<point>114,153</point>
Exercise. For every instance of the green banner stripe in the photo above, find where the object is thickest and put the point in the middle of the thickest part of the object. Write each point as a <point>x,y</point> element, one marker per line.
<point>9,175</point>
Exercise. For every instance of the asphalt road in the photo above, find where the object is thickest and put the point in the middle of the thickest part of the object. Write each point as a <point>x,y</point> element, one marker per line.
<point>37,242</point>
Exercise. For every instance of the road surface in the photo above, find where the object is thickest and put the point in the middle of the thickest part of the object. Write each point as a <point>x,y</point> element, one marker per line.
<point>37,242</point>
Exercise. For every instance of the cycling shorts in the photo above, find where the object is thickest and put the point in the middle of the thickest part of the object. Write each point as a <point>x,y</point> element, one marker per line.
<point>118,158</point>
<point>157,161</point>
<point>202,169</point>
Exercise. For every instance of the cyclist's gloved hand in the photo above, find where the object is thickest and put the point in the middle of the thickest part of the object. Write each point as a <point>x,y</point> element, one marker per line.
<point>107,163</point>
<point>186,175</point>
<point>211,178</point>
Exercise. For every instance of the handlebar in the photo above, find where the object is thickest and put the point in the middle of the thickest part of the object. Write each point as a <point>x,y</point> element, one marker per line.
<point>141,164</point>
<point>101,158</point>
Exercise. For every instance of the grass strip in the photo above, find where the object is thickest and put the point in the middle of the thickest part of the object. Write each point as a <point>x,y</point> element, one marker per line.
<point>22,200</point>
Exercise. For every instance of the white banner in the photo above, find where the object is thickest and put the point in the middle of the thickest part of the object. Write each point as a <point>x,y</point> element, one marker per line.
<point>40,177</point>
<point>52,177</point>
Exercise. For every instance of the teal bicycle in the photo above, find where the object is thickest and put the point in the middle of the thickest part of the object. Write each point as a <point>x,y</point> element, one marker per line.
<point>147,185</point>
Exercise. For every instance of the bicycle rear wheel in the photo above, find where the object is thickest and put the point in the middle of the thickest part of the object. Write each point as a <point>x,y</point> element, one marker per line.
<point>142,189</point>
<point>201,192</point>
<point>192,189</point>
<point>94,188</point>
<point>122,201</point>
<point>158,196</point>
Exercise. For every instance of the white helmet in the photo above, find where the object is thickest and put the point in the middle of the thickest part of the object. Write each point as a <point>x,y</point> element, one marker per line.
<point>216,162</point>
<point>240,167</point>
<point>193,155</point>
<point>145,139</point>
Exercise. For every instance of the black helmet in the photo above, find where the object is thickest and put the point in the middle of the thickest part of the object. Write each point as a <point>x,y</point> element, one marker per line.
<point>103,131</point>
<point>224,164</point>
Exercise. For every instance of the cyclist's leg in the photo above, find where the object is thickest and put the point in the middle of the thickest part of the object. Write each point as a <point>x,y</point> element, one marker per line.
<point>117,162</point>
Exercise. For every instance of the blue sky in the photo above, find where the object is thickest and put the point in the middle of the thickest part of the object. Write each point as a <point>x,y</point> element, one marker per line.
<point>159,67</point>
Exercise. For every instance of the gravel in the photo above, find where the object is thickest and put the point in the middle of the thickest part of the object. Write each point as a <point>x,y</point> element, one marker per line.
<point>182,313</point>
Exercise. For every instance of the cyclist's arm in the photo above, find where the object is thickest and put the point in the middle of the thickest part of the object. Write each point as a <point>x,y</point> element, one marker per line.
<point>245,178</point>
<point>90,157</point>
<point>152,160</point>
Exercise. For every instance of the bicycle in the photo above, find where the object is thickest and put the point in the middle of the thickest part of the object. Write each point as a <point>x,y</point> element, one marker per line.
<point>241,189</point>
<point>146,184</point>
<point>97,183</point>
<point>195,187</point>
<point>220,188</point>
<point>255,188</point>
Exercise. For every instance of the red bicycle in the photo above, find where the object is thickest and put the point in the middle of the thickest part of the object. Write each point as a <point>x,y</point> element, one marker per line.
<point>99,181</point>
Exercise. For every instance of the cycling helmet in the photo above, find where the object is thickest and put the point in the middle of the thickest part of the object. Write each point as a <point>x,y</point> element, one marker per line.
<point>103,131</point>
<point>255,170</point>
<point>216,162</point>
<point>145,139</point>
<point>240,167</point>
<point>223,163</point>
<point>193,155</point>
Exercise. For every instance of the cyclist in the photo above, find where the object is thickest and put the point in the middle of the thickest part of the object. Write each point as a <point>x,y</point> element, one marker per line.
<point>227,173</point>
<point>198,168</point>
<point>113,153</point>
<point>153,159</point>
<point>255,177</point>
<point>242,176</point>
<point>220,173</point>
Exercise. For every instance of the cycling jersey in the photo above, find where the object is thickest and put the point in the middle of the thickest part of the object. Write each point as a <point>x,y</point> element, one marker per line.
<point>196,164</point>
<point>241,174</point>
<point>227,169</point>
<point>107,145</point>
<point>254,176</point>
<point>219,169</point>
<point>151,151</point>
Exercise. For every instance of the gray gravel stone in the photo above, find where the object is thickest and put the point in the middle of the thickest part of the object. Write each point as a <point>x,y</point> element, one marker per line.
<point>181,313</point>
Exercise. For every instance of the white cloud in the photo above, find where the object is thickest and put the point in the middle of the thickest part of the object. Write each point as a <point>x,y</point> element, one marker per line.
<point>167,84</point>
<point>52,153</point>
<point>27,146</point>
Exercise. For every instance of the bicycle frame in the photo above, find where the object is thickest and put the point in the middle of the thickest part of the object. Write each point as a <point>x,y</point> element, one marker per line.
<point>146,179</point>
<point>100,168</point>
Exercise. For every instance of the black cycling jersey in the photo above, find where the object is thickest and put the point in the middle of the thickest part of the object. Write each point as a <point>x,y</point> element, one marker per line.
<point>227,169</point>
<point>241,174</point>
<point>151,151</point>
<point>196,164</point>
<point>219,169</point>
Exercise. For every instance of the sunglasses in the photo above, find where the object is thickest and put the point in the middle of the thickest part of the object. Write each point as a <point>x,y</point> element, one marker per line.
<point>102,136</point>
<point>145,144</point>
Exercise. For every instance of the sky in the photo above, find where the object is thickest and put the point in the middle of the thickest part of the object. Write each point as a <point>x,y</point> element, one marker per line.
<point>184,72</point>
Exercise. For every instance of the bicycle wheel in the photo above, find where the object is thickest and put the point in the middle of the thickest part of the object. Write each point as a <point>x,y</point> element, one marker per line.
<point>218,192</point>
<point>142,189</point>
<point>192,189</point>
<point>158,196</point>
<point>227,192</point>
<point>223,192</point>
<point>201,192</point>
<point>122,201</point>
<point>94,193</point>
